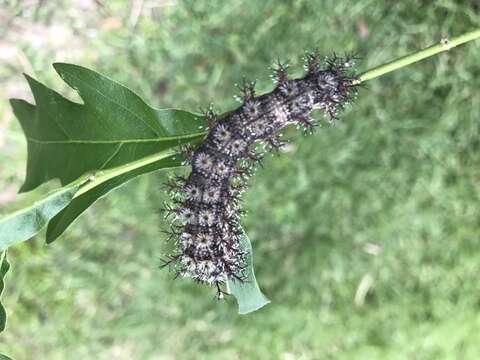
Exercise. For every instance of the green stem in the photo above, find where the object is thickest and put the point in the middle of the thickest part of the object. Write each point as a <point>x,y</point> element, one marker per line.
<point>99,177</point>
<point>444,45</point>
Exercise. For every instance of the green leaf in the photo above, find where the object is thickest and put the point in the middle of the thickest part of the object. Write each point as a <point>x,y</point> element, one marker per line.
<point>248,294</point>
<point>114,135</point>
<point>105,181</point>
<point>4,357</point>
<point>4,266</point>
<point>25,223</point>
<point>113,127</point>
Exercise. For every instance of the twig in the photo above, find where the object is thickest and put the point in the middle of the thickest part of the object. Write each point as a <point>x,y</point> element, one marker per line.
<point>444,45</point>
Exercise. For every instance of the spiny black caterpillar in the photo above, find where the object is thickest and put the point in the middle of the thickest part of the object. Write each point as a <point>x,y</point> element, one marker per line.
<point>205,205</point>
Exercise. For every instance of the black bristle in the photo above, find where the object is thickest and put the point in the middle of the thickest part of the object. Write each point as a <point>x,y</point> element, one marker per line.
<point>280,72</point>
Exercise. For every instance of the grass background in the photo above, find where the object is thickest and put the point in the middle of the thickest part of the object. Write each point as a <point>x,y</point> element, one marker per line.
<point>385,200</point>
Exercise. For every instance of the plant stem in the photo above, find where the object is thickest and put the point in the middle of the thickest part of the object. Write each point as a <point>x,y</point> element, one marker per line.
<point>444,45</point>
<point>99,177</point>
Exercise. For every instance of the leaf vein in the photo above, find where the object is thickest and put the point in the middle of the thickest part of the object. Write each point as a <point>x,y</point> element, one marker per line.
<point>111,157</point>
<point>116,103</point>
<point>127,141</point>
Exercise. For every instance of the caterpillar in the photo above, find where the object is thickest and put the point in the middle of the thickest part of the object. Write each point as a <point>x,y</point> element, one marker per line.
<point>206,204</point>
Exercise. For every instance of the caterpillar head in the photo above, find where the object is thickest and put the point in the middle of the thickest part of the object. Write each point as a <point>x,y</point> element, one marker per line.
<point>333,88</point>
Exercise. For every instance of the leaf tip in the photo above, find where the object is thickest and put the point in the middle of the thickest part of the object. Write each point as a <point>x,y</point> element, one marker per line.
<point>259,304</point>
<point>28,77</point>
<point>52,233</point>
<point>34,84</point>
<point>14,103</point>
<point>24,188</point>
<point>59,65</point>
<point>62,68</point>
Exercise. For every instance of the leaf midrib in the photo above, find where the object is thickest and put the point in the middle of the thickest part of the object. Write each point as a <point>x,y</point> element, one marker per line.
<point>125,141</point>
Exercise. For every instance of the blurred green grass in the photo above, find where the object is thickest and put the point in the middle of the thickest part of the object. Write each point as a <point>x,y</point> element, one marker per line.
<point>387,199</point>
